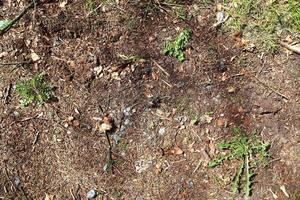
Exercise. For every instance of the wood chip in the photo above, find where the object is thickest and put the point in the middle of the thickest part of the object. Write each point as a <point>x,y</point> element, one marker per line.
<point>176,151</point>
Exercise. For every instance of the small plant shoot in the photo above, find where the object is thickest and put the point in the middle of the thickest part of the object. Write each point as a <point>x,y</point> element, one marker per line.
<point>175,48</point>
<point>250,151</point>
<point>34,91</point>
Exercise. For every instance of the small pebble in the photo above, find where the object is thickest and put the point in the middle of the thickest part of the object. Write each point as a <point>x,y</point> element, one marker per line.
<point>126,122</point>
<point>122,129</point>
<point>139,198</point>
<point>16,114</point>
<point>17,181</point>
<point>191,184</point>
<point>98,70</point>
<point>162,131</point>
<point>91,194</point>
<point>221,66</point>
<point>221,16</point>
<point>117,138</point>
<point>87,126</point>
<point>77,111</point>
<point>76,123</point>
<point>126,111</point>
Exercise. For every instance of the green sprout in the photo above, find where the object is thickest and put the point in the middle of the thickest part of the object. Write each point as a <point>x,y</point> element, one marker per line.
<point>250,151</point>
<point>34,91</point>
<point>90,6</point>
<point>175,48</point>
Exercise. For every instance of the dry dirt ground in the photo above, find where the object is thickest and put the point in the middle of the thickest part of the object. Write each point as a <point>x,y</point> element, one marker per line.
<point>158,153</point>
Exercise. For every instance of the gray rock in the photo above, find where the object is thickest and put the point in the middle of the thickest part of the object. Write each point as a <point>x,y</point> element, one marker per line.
<point>139,198</point>
<point>17,181</point>
<point>162,131</point>
<point>91,194</point>
<point>142,165</point>
<point>191,184</point>
<point>127,112</point>
<point>16,114</point>
<point>127,122</point>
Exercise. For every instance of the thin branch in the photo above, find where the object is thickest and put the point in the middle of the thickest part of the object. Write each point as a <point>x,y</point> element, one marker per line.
<point>93,11</point>
<point>290,47</point>
<point>271,88</point>
<point>161,68</point>
<point>17,63</point>
<point>109,161</point>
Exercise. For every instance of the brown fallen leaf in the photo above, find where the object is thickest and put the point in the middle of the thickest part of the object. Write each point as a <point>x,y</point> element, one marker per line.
<point>49,197</point>
<point>221,122</point>
<point>76,123</point>
<point>231,89</point>
<point>176,151</point>
<point>34,56</point>
<point>62,4</point>
<point>106,124</point>
<point>290,47</point>
<point>158,168</point>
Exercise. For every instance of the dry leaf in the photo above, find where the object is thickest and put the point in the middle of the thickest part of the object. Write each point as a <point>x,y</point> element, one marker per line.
<point>231,89</point>
<point>115,76</point>
<point>221,122</point>
<point>176,151</point>
<point>70,118</point>
<point>106,125</point>
<point>62,4</point>
<point>49,197</point>
<point>34,56</point>
<point>76,123</point>
<point>158,168</point>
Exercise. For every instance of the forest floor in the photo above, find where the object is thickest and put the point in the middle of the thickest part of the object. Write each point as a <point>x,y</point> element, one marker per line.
<point>167,116</point>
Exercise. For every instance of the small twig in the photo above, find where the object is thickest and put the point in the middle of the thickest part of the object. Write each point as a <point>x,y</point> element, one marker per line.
<point>17,63</point>
<point>262,67</point>
<point>168,84</point>
<point>197,167</point>
<point>94,10</point>
<point>161,68</point>
<point>109,156</point>
<point>35,140</point>
<point>24,119</point>
<point>7,93</point>
<point>17,18</point>
<point>290,47</point>
<point>237,75</point>
<point>73,196</point>
<point>271,88</point>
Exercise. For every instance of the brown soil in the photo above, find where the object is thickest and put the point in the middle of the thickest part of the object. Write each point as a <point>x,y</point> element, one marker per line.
<point>56,149</point>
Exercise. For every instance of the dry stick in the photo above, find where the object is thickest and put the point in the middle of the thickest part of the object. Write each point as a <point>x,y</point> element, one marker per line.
<point>7,93</point>
<point>17,18</point>
<point>109,162</point>
<point>271,88</point>
<point>94,10</point>
<point>161,68</point>
<point>17,63</point>
<point>290,47</point>
<point>168,84</point>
